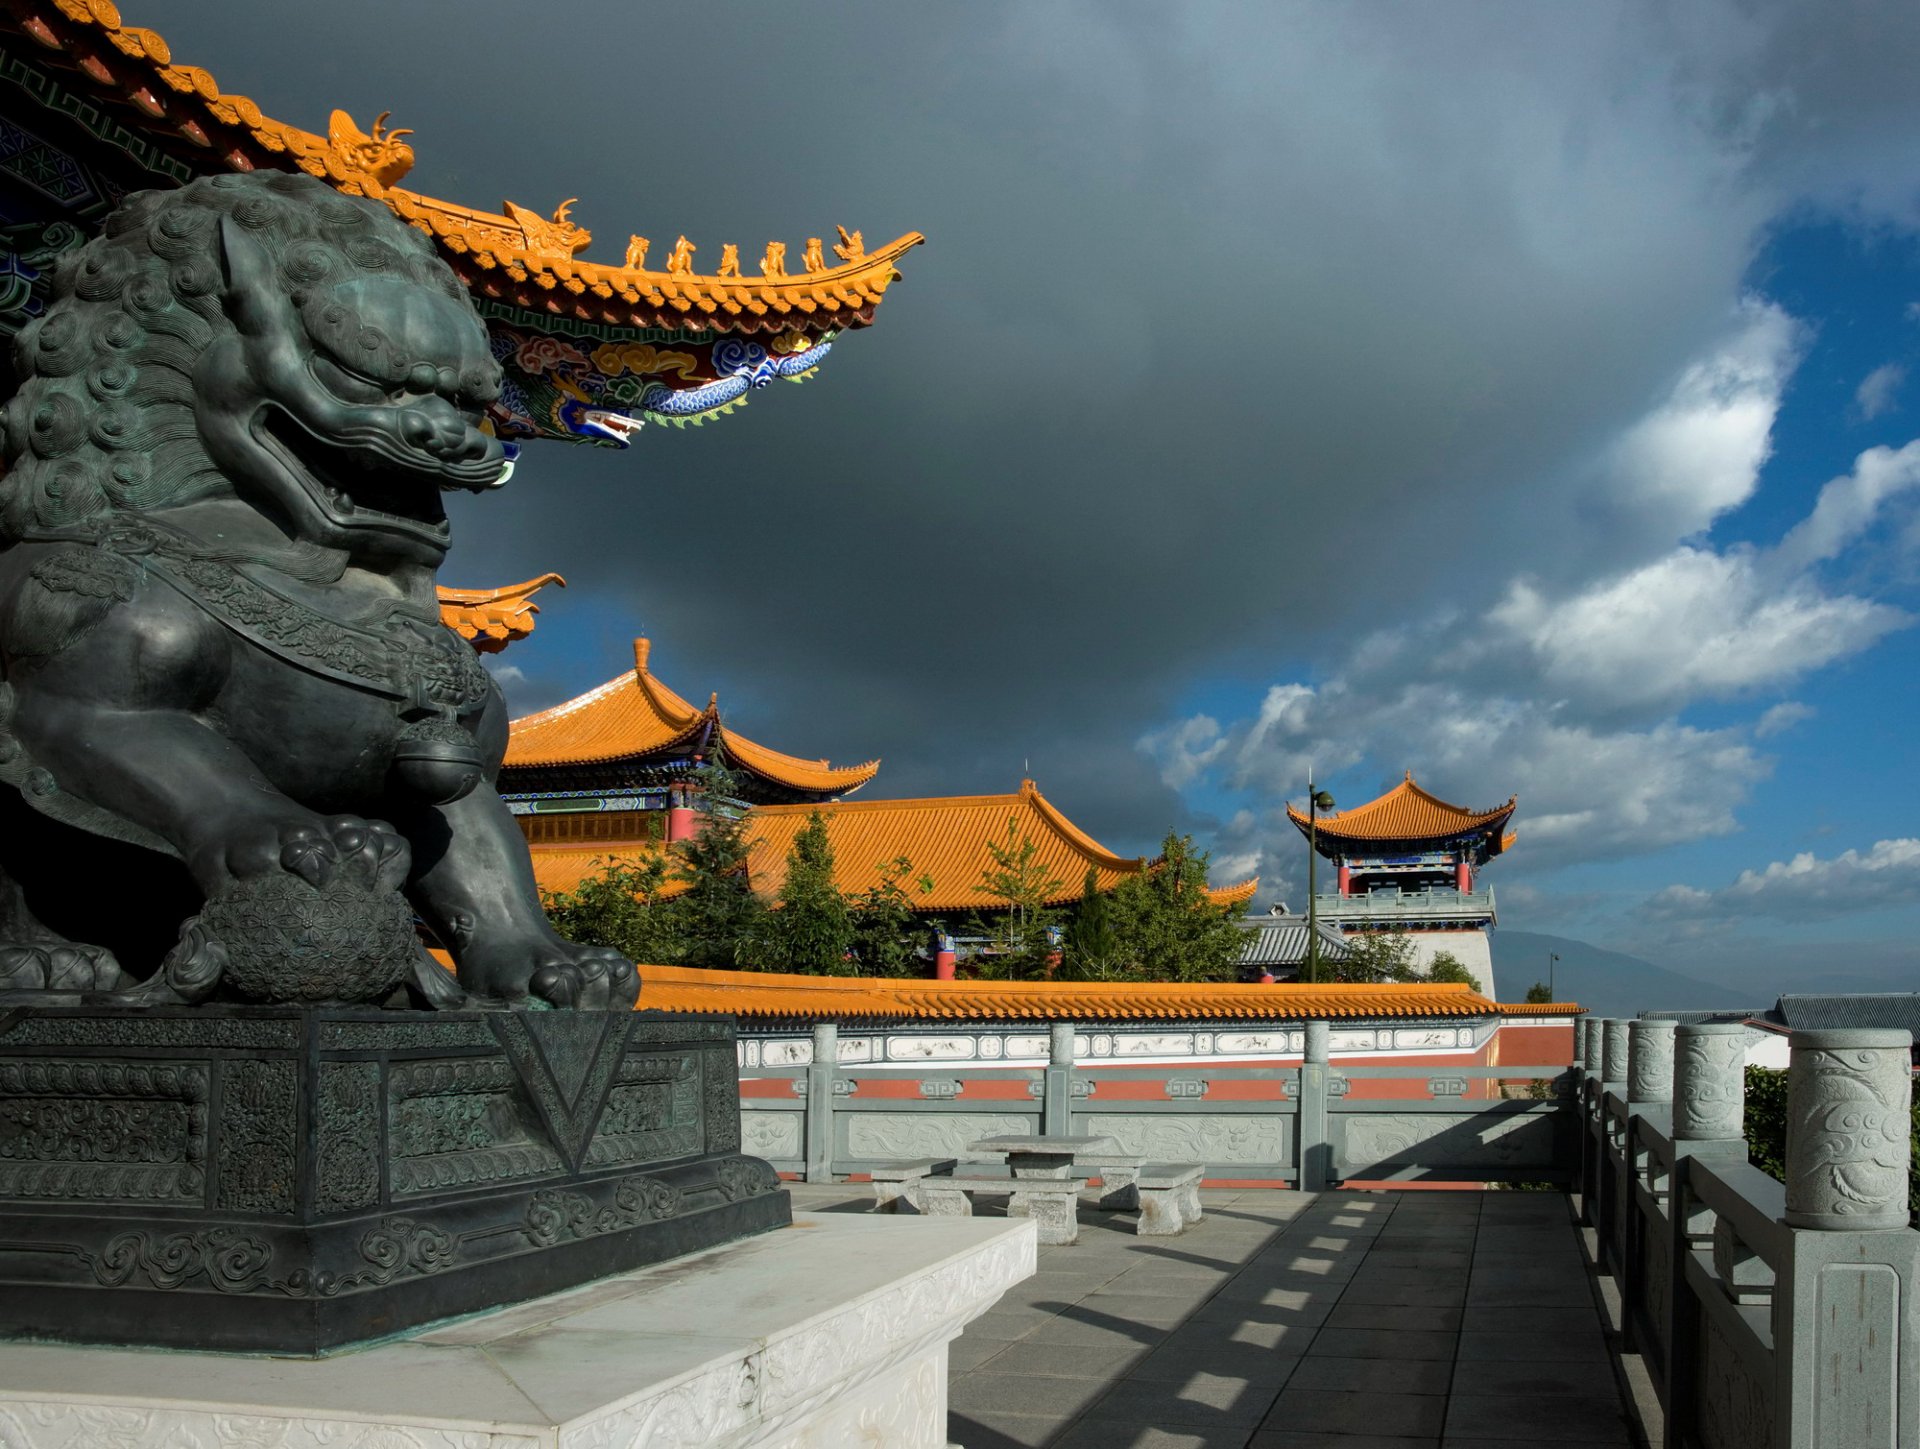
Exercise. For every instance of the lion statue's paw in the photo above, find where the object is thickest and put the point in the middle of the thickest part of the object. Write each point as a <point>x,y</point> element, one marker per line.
<point>321,850</point>
<point>550,972</point>
<point>62,966</point>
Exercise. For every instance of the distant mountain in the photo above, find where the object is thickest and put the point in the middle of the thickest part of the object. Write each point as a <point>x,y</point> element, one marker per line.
<point>1607,983</point>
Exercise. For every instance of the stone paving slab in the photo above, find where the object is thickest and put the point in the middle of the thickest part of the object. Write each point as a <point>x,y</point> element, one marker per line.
<point>1350,1320</point>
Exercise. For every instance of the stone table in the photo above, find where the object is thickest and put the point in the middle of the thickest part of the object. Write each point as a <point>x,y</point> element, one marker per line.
<point>1040,1155</point>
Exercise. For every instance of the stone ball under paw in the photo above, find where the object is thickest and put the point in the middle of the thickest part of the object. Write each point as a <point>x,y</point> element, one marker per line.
<point>288,941</point>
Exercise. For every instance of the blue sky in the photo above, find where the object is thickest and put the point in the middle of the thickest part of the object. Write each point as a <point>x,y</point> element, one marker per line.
<point>1519,394</point>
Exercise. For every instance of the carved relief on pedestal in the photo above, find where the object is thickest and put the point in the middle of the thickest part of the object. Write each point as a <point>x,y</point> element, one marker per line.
<point>1650,1061</point>
<point>1849,1103</point>
<point>1709,1082</point>
<point>1613,1050</point>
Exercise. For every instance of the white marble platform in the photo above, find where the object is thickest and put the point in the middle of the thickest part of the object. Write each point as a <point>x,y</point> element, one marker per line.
<point>830,1333</point>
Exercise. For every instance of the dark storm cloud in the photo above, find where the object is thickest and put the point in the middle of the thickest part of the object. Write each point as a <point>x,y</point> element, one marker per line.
<point>1241,330</point>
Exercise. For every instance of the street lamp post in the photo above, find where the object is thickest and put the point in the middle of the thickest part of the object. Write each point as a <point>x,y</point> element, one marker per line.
<point>1317,800</point>
<point>1553,960</point>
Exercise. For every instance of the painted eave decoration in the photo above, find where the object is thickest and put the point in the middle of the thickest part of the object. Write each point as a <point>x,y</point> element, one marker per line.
<point>592,350</point>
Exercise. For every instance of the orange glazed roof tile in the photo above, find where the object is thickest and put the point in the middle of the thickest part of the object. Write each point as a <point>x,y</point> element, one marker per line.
<point>520,256</point>
<point>491,619</point>
<point>1406,812</point>
<point>945,838</point>
<point>766,995</point>
<point>635,714</point>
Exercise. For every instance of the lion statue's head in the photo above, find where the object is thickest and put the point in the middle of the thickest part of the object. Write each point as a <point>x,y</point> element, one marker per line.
<point>258,336</point>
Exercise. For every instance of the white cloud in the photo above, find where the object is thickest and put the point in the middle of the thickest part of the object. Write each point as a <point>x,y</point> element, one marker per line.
<point>1877,389</point>
<point>507,676</point>
<point>1572,692</point>
<point>1695,624</point>
<point>1185,749</point>
<point>1782,717</point>
<point>1849,505</point>
<point>1805,888</point>
<point>1700,452</point>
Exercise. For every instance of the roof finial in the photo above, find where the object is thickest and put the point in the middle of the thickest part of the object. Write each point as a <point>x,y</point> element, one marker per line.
<point>641,648</point>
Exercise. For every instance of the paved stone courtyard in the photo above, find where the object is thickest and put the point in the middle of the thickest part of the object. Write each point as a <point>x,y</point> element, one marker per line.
<point>1420,1320</point>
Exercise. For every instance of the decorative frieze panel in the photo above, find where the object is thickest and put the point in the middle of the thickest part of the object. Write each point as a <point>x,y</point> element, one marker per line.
<point>873,1135</point>
<point>931,1049</point>
<point>771,1134</point>
<point>766,1052</point>
<point>1154,1044</point>
<point>1252,1139</point>
<point>79,1131</point>
<point>1259,1043</point>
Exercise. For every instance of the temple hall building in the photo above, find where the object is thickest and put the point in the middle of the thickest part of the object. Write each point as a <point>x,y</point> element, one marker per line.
<point>1411,862</point>
<point>611,774</point>
<point>615,765</point>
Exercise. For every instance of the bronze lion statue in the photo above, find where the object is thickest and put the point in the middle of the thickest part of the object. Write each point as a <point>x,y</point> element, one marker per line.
<point>240,752</point>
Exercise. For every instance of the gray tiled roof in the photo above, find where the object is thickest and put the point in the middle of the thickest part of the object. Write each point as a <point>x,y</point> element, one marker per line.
<point>1810,1011</point>
<point>1282,941</point>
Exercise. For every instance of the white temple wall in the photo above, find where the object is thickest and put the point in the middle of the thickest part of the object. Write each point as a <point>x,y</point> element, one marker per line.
<point>1470,948</point>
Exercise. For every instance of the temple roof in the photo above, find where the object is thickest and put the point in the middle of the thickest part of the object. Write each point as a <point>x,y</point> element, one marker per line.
<point>634,715</point>
<point>1408,813</point>
<point>544,301</point>
<point>491,619</point>
<point>774,996</point>
<point>945,838</point>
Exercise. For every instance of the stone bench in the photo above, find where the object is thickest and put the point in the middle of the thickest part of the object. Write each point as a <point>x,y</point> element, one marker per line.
<point>896,1185</point>
<point>1117,1172</point>
<point>1169,1194</point>
<point>1052,1202</point>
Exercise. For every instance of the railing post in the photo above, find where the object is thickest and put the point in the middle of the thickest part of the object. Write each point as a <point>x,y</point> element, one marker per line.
<point>1315,1150</point>
<point>1846,1356</point>
<point>1613,1080</point>
<point>1844,1323</point>
<point>1649,1085</point>
<point>819,1123</point>
<point>1587,1086</point>
<point>1709,1124</point>
<point>1056,1092</point>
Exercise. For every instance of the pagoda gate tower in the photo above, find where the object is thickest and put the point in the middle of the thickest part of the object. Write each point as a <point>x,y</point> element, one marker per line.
<point>1411,862</point>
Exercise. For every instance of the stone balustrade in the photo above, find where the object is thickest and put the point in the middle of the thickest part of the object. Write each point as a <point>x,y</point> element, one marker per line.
<point>1769,1315</point>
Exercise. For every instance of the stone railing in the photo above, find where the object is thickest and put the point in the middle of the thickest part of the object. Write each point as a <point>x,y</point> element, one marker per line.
<point>1314,1124</point>
<point>1769,1316</point>
<point>1426,905</point>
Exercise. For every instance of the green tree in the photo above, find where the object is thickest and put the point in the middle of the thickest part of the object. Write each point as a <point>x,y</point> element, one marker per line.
<point>1539,992</point>
<point>1018,884</point>
<point>812,930</point>
<point>1445,966</point>
<point>720,914</point>
<point>1377,956</point>
<point>1168,927</point>
<point>1091,950</point>
<point>886,928</point>
<point>621,905</point>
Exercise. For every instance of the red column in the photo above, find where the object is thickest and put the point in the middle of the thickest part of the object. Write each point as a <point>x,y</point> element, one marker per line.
<point>679,822</point>
<point>1346,879</point>
<point>944,957</point>
<point>1463,877</point>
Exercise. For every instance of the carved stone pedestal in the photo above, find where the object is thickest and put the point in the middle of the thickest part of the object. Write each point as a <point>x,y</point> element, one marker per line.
<point>828,1334</point>
<point>292,1180</point>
